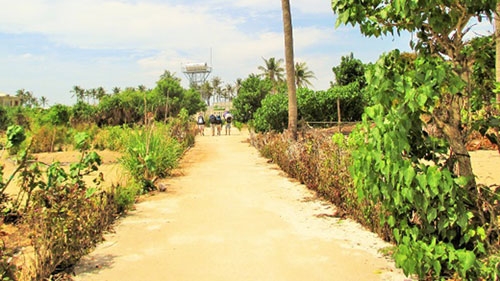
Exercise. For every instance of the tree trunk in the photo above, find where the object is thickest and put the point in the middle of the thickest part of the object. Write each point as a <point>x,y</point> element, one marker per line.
<point>497,41</point>
<point>448,120</point>
<point>290,69</point>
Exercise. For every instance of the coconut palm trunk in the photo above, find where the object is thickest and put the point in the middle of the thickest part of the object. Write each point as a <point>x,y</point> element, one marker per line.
<point>290,69</point>
<point>497,38</point>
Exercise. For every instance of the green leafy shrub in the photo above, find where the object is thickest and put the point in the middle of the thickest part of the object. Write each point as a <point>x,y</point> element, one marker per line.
<point>440,227</point>
<point>273,114</point>
<point>150,153</point>
<point>110,137</point>
<point>319,106</point>
<point>66,216</point>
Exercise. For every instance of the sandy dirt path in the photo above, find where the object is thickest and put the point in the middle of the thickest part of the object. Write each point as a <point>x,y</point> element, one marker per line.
<point>230,215</point>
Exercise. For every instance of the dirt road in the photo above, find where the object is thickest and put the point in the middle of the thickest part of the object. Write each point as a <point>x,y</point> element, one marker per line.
<point>230,215</point>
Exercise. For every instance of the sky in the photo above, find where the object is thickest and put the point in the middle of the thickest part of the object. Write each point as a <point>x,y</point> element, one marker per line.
<point>49,46</point>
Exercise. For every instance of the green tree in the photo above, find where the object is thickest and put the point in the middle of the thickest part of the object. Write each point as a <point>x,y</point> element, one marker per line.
<point>252,92</point>
<point>192,102</point>
<point>481,76</point>
<point>274,71</point>
<point>116,90</point>
<point>206,91</point>
<point>27,98</point>
<point>434,210</point>
<point>273,114</point>
<point>439,31</point>
<point>349,71</point>
<point>216,88</point>
<point>303,75</point>
<point>82,113</point>
<point>5,121</point>
<point>43,101</point>
<point>170,90</point>
<point>78,92</point>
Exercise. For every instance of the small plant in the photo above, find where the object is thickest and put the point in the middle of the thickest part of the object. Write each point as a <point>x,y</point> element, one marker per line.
<point>125,196</point>
<point>150,154</point>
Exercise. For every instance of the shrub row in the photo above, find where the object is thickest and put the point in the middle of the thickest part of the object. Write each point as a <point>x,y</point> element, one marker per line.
<point>320,159</point>
<point>65,216</point>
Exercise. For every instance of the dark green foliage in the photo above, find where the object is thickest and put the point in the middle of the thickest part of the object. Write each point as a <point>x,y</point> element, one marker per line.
<point>481,51</point>
<point>127,107</point>
<point>253,90</point>
<point>312,107</point>
<point>4,119</point>
<point>273,114</point>
<point>349,71</point>
<point>192,102</point>
<point>434,220</point>
<point>56,115</point>
<point>82,112</point>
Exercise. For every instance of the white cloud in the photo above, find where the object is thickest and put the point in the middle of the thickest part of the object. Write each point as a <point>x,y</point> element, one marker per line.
<point>130,42</point>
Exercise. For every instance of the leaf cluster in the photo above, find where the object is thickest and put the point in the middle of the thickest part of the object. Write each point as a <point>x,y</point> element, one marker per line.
<point>402,167</point>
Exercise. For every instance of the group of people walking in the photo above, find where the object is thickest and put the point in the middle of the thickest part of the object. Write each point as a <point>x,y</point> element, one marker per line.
<point>216,122</point>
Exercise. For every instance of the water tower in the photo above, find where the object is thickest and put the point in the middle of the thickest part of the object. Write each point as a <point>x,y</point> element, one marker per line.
<point>197,73</point>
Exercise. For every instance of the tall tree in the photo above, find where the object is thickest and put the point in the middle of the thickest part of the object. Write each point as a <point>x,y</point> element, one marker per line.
<point>273,70</point>
<point>116,90</point>
<point>206,91</point>
<point>290,69</point>
<point>237,85</point>
<point>228,92</point>
<point>216,88</point>
<point>404,91</point>
<point>349,71</point>
<point>141,88</point>
<point>78,92</point>
<point>100,93</point>
<point>44,101</point>
<point>497,39</point>
<point>440,31</point>
<point>303,75</point>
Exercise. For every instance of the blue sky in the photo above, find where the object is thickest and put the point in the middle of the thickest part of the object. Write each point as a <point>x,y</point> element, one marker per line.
<point>49,46</point>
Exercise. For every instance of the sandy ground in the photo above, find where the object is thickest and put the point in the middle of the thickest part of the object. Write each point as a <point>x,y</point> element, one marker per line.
<point>230,215</point>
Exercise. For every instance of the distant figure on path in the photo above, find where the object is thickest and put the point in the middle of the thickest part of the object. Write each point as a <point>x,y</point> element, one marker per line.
<point>229,118</point>
<point>212,121</point>
<point>218,122</point>
<point>201,124</point>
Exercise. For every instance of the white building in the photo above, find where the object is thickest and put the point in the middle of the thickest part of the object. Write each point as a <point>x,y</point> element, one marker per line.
<point>8,100</point>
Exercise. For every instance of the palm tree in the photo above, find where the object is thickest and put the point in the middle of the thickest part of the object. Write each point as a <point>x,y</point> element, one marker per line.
<point>23,95</point>
<point>27,98</point>
<point>216,87</point>
<point>206,91</point>
<point>290,72</point>
<point>90,94</point>
<point>100,93</point>
<point>169,75</point>
<point>228,92</point>
<point>79,93</point>
<point>44,101</point>
<point>273,70</point>
<point>237,85</point>
<point>116,90</point>
<point>497,39</point>
<point>141,88</point>
<point>303,75</point>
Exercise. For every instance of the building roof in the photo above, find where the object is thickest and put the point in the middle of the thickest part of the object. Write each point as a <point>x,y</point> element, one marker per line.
<point>2,94</point>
